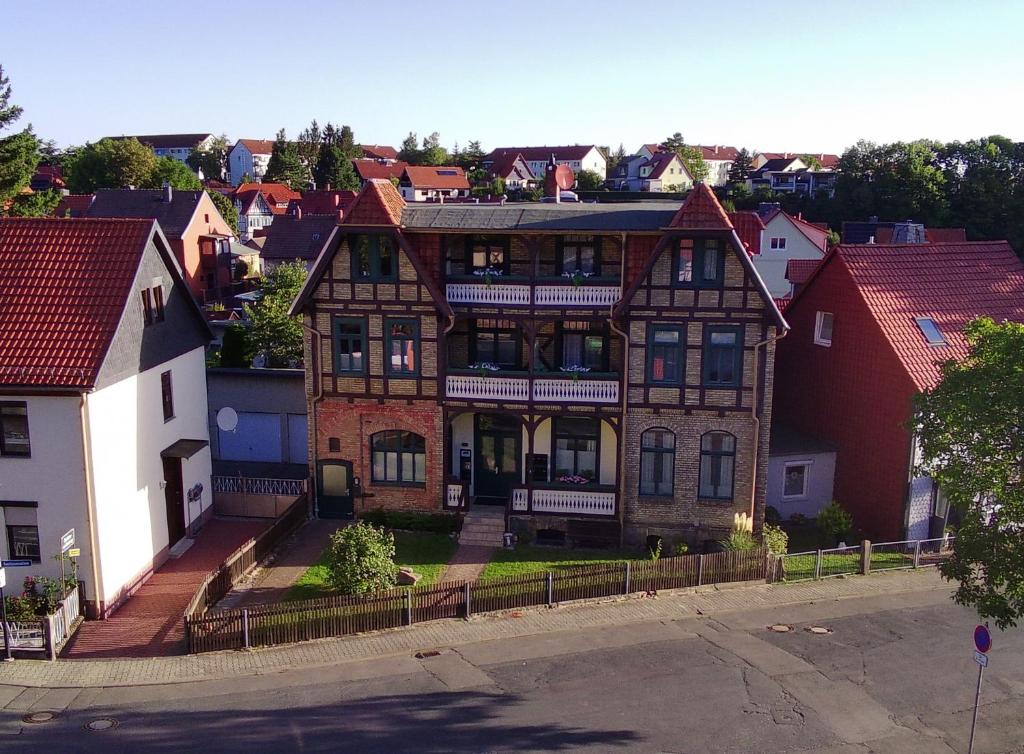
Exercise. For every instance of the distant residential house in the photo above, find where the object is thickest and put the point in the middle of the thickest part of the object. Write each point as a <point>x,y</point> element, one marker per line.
<point>259,203</point>
<point>784,239</point>
<point>870,330</point>
<point>827,161</point>
<point>578,157</point>
<point>326,202</point>
<point>369,170</point>
<point>249,157</point>
<point>662,171</point>
<point>907,231</point>
<point>789,175</point>
<point>379,152</point>
<point>73,205</point>
<point>750,228</point>
<point>717,158</point>
<point>198,235</point>
<point>176,146</point>
<point>297,237</point>
<point>801,473</point>
<point>513,170</point>
<point>421,183</point>
<point>46,178</point>
<point>798,272</point>
<point>103,410</point>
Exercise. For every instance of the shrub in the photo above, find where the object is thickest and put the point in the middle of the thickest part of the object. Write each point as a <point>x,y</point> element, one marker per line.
<point>680,548</point>
<point>771,515</point>
<point>775,539</point>
<point>361,558</point>
<point>739,540</point>
<point>439,523</point>
<point>834,522</point>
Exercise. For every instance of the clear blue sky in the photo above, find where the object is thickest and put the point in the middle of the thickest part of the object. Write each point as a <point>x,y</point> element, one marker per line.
<point>798,76</point>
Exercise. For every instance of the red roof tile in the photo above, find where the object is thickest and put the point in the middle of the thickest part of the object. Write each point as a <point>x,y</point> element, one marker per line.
<point>424,177</point>
<point>258,146</point>
<point>509,166</point>
<point>718,152</point>
<point>378,203</point>
<point>660,162</point>
<point>64,284</point>
<point>324,202</point>
<point>370,169</point>
<point>749,227</point>
<point>379,151</point>
<point>535,154</point>
<point>277,196</point>
<point>73,205</point>
<point>799,271</point>
<point>701,211</point>
<point>945,235</point>
<point>782,303</point>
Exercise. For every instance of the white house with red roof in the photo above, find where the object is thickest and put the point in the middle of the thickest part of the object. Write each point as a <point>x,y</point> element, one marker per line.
<point>103,411</point>
<point>662,171</point>
<point>259,203</point>
<point>577,156</point>
<point>718,158</point>
<point>249,157</point>
<point>786,238</point>
<point>423,183</point>
<point>513,170</point>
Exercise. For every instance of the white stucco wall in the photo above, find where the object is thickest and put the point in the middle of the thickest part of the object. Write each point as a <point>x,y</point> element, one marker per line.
<point>771,263</point>
<point>127,433</point>
<point>821,469</point>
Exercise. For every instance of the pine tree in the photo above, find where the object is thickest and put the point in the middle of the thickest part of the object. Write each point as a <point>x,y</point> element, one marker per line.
<point>285,165</point>
<point>740,167</point>
<point>410,151</point>
<point>335,169</point>
<point>19,152</point>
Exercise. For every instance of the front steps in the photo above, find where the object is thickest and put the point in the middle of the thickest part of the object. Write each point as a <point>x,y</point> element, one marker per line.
<point>483,527</point>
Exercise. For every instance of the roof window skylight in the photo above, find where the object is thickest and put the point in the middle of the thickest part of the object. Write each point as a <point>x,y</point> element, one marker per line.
<point>931,331</point>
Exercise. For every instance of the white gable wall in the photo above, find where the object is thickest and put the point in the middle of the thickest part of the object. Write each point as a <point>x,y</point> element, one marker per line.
<point>771,263</point>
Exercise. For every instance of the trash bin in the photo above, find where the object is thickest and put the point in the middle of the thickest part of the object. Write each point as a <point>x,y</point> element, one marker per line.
<point>509,540</point>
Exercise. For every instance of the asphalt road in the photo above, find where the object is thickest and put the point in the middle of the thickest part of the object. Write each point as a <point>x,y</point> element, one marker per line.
<point>895,674</point>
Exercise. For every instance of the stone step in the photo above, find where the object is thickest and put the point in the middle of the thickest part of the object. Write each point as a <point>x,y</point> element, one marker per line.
<point>481,542</point>
<point>483,525</point>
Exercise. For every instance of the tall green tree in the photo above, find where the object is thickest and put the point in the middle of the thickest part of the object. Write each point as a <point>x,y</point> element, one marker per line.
<point>227,209</point>
<point>691,157</point>
<point>37,204</point>
<point>971,432</point>
<point>410,150</point>
<point>176,173</point>
<point>334,168</point>
<point>19,152</point>
<point>433,153</point>
<point>615,158</point>
<point>110,163</point>
<point>272,333</point>
<point>211,160</point>
<point>740,167</point>
<point>286,165</point>
<point>589,180</point>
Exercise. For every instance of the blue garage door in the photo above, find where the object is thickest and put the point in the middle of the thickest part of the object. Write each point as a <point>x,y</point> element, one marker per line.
<point>298,439</point>
<point>256,438</point>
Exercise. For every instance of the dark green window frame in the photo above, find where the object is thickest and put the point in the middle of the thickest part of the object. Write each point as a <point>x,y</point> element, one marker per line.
<point>591,333</point>
<point>572,245</point>
<point>369,264</point>
<point>698,277</point>
<point>398,458</point>
<point>576,431</point>
<point>342,334</point>
<point>652,350</point>
<point>390,338</point>
<point>488,245</point>
<point>657,453</point>
<point>713,353</point>
<point>494,333</point>
<point>715,465</point>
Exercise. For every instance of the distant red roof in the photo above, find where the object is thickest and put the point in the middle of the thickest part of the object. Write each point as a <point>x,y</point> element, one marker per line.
<point>828,161</point>
<point>718,152</point>
<point>277,196</point>
<point>73,205</point>
<point>535,154</point>
<point>378,203</point>
<point>369,169</point>
<point>946,235</point>
<point>258,146</point>
<point>509,166</point>
<point>799,271</point>
<point>782,303</point>
<point>702,211</point>
<point>428,177</point>
<point>660,162</point>
<point>379,151</point>
<point>749,227</point>
<point>64,284</point>
<point>323,202</point>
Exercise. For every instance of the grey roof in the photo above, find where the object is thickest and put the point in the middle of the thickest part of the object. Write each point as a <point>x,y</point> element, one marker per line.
<point>786,441</point>
<point>290,237</point>
<point>622,216</point>
<point>173,216</point>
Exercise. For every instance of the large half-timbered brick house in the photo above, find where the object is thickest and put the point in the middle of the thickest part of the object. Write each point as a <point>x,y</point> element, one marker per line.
<point>599,368</point>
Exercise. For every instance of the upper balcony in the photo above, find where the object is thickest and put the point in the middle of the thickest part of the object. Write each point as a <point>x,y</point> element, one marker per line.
<point>542,292</point>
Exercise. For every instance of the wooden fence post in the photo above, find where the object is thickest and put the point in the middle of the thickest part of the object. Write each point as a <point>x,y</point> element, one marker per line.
<point>627,577</point>
<point>408,607</point>
<point>917,553</point>
<point>865,557</point>
<point>700,569</point>
<point>467,590</point>
<point>245,626</point>
<point>551,588</point>
<point>817,566</point>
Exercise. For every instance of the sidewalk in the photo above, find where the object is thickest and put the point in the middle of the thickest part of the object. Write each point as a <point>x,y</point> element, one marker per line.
<point>667,606</point>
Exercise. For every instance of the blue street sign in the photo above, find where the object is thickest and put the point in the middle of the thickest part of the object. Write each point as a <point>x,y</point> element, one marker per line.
<point>982,639</point>
<point>15,563</point>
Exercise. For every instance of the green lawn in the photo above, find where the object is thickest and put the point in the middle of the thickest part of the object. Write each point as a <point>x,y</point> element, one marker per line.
<point>801,567</point>
<point>531,559</point>
<point>425,553</point>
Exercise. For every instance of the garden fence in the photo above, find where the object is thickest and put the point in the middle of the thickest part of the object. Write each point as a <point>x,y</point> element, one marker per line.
<point>859,559</point>
<point>338,616</point>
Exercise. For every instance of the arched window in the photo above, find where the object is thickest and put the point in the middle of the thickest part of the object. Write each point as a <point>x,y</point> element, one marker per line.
<point>398,457</point>
<point>717,464</point>
<point>657,461</point>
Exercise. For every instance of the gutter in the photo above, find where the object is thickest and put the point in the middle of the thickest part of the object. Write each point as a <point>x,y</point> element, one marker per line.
<point>90,501</point>
<point>754,413</point>
<point>623,397</point>
<point>316,346</point>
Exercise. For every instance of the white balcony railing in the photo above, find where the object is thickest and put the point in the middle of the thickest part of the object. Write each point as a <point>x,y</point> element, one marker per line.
<point>572,295</point>
<point>453,495</point>
<point>574,502</point>
<point>488,388</point>
<point>481,293</point>
<point>575,391</point>
<point>520,499</point>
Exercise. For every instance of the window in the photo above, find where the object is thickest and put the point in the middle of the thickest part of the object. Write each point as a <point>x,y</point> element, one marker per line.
<point>147,306</point>
<point>158,303</point>
<point>14,429</point>
<point>167,396</point>
<point>778,242</point>
<point>929,329</point>
<point>657,461</point>
<point>487,251</point>
<point>794,483</point>
<point>349,345</point>
<point>665,354</point>
<point>723,356</point>
<point>717,461</point>
<point>699,263</point>
<point>23,542</point>
<point>823,329</point>
<point>577,443</point>
<point>373,257</point>
<point>580,253</point>
<point>398,457</point>
<point>495,342</point>
<point>583,344</point>
<point>403,345</point>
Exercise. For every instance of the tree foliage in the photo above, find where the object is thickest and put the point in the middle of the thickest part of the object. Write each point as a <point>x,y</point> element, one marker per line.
<point>174,172</point>
<point>970,428</point>
<point>740,167</point>
<point>361,559</point>
<point>236,350</point>
<point>211,160</point>
<point>37,204</point>
<point>691,157</point>
<point>227,209</point>
<point>834,522</point>
<point>334,169</point>
<point>286,165</point>
<point>110,163</point>
<point>272,333</point>
<point>19,152</point>
<point>589,180</point>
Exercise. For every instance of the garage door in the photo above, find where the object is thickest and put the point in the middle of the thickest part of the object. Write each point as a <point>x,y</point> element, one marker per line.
<point>256,438</point>
<point>298,439</point>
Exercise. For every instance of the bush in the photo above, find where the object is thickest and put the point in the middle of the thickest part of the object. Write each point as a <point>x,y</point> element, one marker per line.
<point>361,558</point>
<point>439,523</point>
<point>739,541</point>
<point>236,351</point>
<point>775,539</point>
<point>834,522</point>
<point>771,515</point>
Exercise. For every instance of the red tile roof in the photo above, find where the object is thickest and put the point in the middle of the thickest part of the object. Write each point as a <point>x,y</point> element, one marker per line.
<point>509,166</point>
<point>946,235</point>
<point>277,196</point>
<point>64,284</point>
<point>369,169</point>
<point>536,154</point>
<point>445,177</point>
<point>73,205</point>
<point>324,202</point>
<point>660,162</point>
<point>782,303</point>
<point>378,203</point>
<point>379,151</point>
<point>718,152</point>
<point>258,146</point>
<point>749,227</point>
<point>799,271</point>
<point>702,211</point>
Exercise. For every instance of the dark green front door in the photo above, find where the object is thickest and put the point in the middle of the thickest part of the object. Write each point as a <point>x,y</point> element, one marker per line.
<point>498,452</point>
<point>334,489</point>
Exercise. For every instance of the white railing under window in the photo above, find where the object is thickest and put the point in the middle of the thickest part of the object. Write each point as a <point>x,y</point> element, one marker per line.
<point>574,502</point>
<point>481,293</point>
<point>453,495</point>
<point>572,295</point>
<point>520,499</point>
<point>576,391</point>
<point>488,388</point>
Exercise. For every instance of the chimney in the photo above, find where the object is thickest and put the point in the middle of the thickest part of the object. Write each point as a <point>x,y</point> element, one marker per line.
<point>168,192</point>
<point>550,184</point>
<point>298,212</point>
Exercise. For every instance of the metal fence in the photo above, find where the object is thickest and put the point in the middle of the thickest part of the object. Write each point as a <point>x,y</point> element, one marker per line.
<point>337,616</point>
<point>46,636</point>
<point>259,486</point>
<point>859,559</point>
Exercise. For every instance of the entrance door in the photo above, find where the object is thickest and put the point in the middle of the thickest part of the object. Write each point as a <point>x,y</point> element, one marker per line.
<point>498,449</point>
<point>334,489</point>
<point>174,497</point>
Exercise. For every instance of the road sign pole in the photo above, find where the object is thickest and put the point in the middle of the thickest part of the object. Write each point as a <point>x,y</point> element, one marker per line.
<point>977,701</point>
<point>8,657</point>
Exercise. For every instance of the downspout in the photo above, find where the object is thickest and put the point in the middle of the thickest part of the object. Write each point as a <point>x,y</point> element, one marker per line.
<point>623,397</point>
<point>754,415</point>
<point>315,350</point>
<point>90,501</point>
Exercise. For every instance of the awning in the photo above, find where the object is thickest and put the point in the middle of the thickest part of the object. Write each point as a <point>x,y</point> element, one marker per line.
<point>183,449</point>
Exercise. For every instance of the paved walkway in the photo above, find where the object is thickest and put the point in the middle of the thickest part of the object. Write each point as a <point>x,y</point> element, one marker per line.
<point>467,563</point>
<point>271,582</point>
<point>150,623</point>
<point>447,633</point>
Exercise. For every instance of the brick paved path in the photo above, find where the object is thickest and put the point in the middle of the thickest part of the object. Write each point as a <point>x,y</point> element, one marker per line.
<point>467,563</point>
<point>150,623</point>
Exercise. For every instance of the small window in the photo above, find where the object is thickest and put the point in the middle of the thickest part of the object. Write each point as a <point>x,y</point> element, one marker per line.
<point>583,345</point>
<point>167,396</point>
<point>483,252</point>
<point>334,444</point>
<point>579,254</point>
<point>930,330</point>
<point>147,306</point>
<point>699,263</point>
<point>577,449</point>
<point>158,303</point>
<point>779,243</point>
<point>723,356</point>
<point>403,345</point>
<point>717,463</point>
<point>665,354</point>
<point>794,482</point>
<point>206,218</point>
<point>349,345</point>
<point>23,542</point>
<point>373,257</point>
<point>657,462</point>
<point>823,329</point>
<point>14,439</point>
<point>398,457</point>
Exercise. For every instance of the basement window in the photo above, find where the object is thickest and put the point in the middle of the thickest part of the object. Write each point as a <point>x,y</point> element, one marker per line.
<point>931,331</point>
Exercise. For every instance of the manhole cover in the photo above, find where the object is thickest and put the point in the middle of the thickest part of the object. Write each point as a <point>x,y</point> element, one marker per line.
<point>39,717</point>
<point>781,628</point>
<point>426,654</point>
<point>819,630</point>
<point>101,723</point>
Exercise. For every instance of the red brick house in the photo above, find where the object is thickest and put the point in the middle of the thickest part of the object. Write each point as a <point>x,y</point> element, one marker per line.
<point>869,330</point>
<point>581,368</point>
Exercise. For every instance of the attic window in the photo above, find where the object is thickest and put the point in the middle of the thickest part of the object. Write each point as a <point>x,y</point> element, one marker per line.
<point>447,172</point>
<point>931,331</point>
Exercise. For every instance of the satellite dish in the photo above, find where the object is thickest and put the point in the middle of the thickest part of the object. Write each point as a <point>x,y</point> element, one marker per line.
<point>564,177</point>
<point>227,419</point>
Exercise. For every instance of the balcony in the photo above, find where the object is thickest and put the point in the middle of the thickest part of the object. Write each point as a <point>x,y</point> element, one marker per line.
<point>564,501</point>
<point>547,293</point>
<point>547,389</point>
<point>500,294</point>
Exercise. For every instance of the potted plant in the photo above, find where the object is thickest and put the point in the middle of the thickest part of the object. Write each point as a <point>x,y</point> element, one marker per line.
<point>575,370</point>
<point>578,277</point>
<point>488,274</point>
<point>484,367</point>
